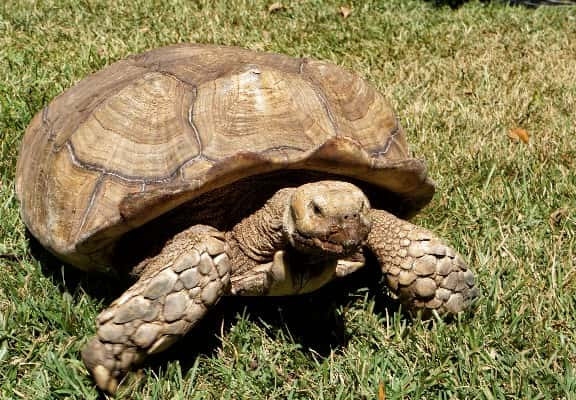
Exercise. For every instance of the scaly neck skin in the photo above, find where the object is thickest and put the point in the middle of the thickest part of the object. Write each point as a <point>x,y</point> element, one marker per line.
<point>255,239</point>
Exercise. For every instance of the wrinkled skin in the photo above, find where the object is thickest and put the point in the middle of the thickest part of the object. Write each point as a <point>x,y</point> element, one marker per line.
<point>323,225</point>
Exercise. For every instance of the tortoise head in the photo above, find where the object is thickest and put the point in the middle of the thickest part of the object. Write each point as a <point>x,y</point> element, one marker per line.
<point>327,218</point>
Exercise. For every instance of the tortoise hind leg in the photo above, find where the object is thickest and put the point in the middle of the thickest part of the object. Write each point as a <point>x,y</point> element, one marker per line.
<point>422,271</point>
<point>175,290</point>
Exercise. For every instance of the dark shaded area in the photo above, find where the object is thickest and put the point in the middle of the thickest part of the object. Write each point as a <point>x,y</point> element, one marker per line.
<point>315,321</point>
<point>9,257</point>
<point>70,279</point>
<point>525,3</point>
<point>223,208</point>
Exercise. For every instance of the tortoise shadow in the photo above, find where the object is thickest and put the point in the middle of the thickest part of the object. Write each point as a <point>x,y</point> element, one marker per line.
<point>455,4</point>
<point>70,279</point>
<point>312,320</point>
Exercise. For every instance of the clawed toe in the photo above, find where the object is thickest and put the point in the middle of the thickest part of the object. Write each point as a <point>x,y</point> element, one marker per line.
<point>100,361</point>
<point>104,379</point>
<point>106,367</point>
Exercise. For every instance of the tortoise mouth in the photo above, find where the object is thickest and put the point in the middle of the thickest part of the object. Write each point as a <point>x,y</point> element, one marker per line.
<point>314,245</point>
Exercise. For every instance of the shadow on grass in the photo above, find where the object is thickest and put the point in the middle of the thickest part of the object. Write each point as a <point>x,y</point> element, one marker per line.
<point>70,279</point>
<point>312,320</point>
<point>454,4</point>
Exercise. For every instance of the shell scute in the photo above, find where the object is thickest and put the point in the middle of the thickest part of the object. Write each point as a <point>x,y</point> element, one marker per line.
<point>259,109</point>
<point>71,108</point>
<point>360,112</point>
<point>140,133</point>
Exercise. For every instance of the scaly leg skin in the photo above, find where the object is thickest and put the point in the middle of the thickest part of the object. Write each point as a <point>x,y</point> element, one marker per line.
<point>176,289</point>
<point>422,271</point>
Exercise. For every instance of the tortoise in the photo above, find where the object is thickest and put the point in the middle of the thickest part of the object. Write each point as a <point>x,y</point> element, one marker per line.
<point>205,171</point>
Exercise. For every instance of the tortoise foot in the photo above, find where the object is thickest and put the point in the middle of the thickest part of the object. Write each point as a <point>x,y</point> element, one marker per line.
<point>176,289</point>
<point>422,271</point>
<point>433,277</point>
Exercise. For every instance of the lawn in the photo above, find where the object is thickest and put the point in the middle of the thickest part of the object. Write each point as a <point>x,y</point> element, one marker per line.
<point>460,80</point>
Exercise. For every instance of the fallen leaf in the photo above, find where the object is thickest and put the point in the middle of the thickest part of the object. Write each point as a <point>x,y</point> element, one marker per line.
<point>275,7</point>
<point>381,392</point>
<point>519,134</point>
<point>253,364</point>
<point>557,216</point>
<point>568,158</point>
<point>345,11</point>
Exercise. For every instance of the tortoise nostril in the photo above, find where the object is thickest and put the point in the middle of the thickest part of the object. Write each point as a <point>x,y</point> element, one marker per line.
<point>316,209</point>
<point>346,217</point>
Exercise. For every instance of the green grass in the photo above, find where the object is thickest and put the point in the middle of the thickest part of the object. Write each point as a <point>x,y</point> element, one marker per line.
<point>459,80</point>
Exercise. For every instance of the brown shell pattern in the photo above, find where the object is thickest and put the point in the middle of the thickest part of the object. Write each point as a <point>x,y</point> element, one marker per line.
<point>150,132</point>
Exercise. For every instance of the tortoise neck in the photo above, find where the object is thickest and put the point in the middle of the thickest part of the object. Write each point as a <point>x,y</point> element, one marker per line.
<point>261,234</point>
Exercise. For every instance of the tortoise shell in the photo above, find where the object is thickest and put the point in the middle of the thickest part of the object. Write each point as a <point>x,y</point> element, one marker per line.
<point>157,130</point>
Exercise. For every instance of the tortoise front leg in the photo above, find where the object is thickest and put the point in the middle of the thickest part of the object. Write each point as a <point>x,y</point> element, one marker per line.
<point>176,289</point>
<point>423,272</point>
